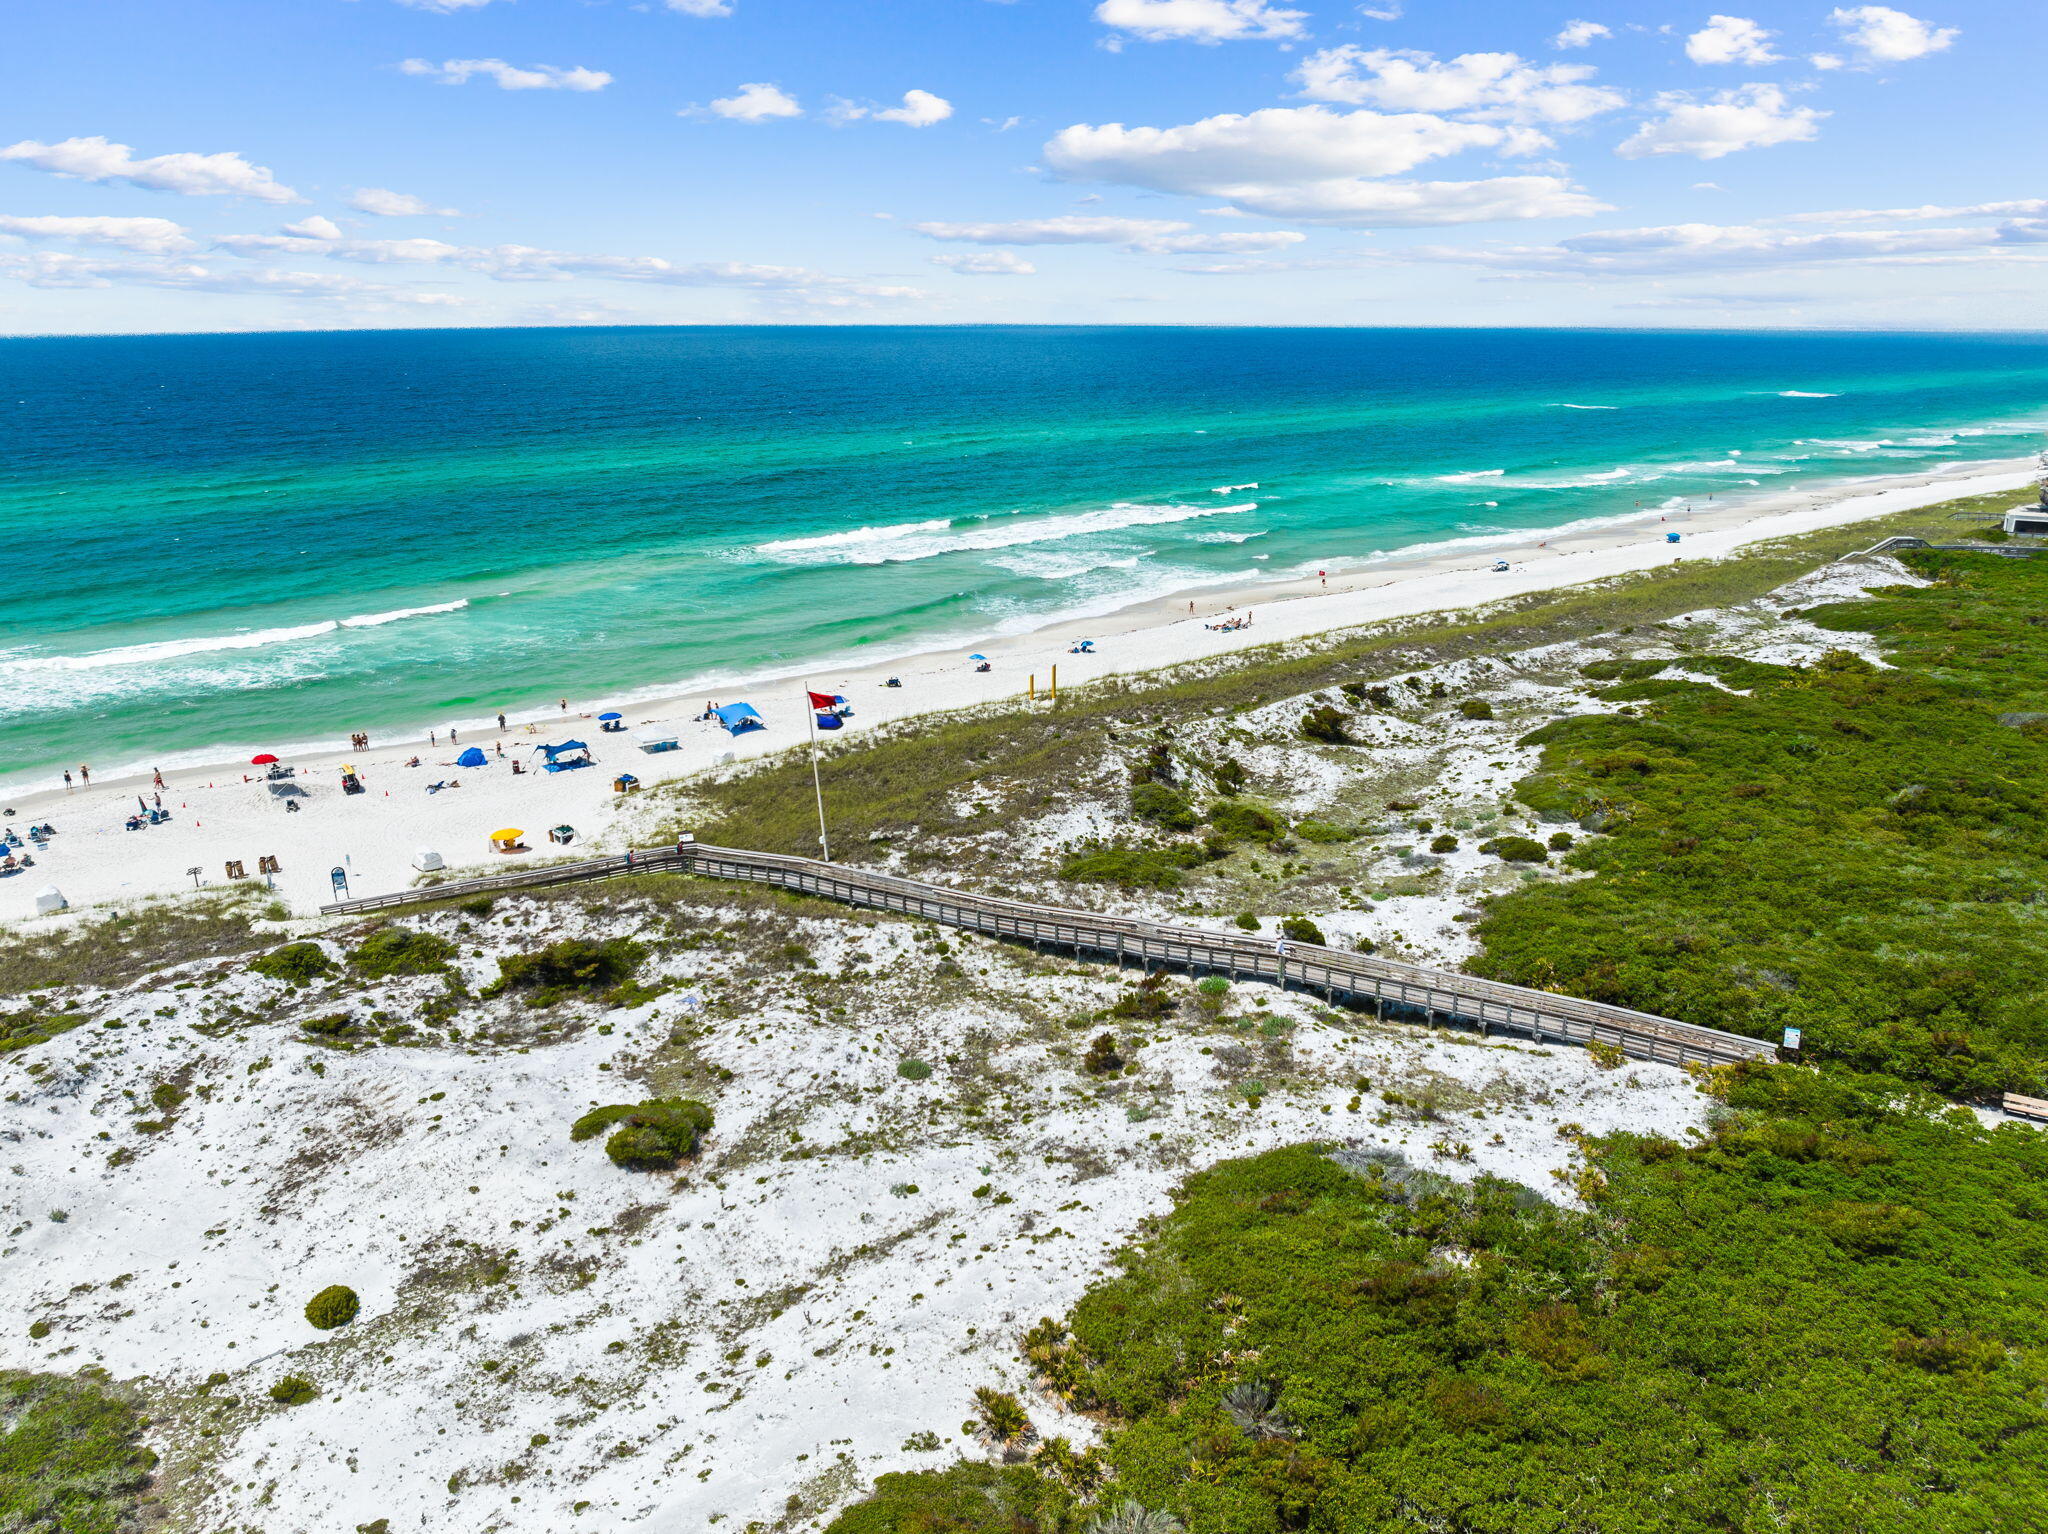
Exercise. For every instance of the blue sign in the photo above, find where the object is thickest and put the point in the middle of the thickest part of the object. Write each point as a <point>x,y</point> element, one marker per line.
<point>340,878</point>
<point>1791,1038</point>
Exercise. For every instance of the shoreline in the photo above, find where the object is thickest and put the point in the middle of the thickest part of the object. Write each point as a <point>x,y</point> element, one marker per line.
<point>219,814</point>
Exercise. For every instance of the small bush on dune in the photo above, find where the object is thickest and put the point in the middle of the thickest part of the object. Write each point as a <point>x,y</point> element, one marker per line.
<point>1165,807</point>
<point>400,951</point>
<point>650,1135</point>
<point>1102,1058</point>
<point>1444,843</point>
<point>294,1390</point>
<point>573,964</point>
<point>913,1070</point>
<point>1326,726</point>
<point>1324,831</point>
<point>1246,822</point>
<point>336,1305</point>
<point>1515,849</point>
<point>1300,929</point>
<point>1132,867</point>
<point>295,963</point>
<point>1476,708</point>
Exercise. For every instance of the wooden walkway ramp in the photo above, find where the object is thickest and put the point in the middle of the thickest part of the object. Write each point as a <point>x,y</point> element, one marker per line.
<point>1395,990</point>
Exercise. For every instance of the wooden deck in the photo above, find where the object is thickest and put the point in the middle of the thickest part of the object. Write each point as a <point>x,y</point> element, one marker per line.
<point>1395,990</point>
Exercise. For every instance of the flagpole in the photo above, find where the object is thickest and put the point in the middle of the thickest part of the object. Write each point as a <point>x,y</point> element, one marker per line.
<point>817,788</point>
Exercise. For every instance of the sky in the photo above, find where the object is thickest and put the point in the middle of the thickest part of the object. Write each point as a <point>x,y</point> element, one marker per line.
<point>225,165</point>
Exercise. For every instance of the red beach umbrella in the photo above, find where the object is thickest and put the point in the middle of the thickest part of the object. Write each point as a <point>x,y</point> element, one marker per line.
<point>263,759</point>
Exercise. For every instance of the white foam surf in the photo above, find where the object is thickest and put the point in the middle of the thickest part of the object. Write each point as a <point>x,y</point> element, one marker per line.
<point>928,540</point>
<point>1558,404</point>
<point>1468,478</point>
<point>206,644</point>
<point>1805,394</point>
<point>1232,489</point>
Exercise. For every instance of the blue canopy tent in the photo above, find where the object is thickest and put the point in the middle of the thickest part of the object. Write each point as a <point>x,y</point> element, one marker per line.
<point>738,718</point>
<point>830,722</point>
<point>473,757</point>
<point>570,753</point>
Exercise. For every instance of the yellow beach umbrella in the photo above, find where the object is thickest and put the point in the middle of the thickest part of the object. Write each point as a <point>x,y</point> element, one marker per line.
<point>506,836</point>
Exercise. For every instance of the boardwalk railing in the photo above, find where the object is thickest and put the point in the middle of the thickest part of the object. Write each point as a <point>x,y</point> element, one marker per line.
<point>1398,989</point>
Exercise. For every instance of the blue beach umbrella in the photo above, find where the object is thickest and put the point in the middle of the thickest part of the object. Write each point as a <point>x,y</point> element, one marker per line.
<point>977,657</point>
<point>611,716</point>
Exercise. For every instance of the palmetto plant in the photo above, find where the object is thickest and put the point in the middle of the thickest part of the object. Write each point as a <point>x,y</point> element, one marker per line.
<point>1130,1518</point>
<point>1250,1406</point>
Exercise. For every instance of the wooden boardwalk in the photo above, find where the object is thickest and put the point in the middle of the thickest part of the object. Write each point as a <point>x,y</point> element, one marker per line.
<point>1395,990</point>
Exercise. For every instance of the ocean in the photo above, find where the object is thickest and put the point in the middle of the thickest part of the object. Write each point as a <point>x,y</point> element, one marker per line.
<point>228,542</point>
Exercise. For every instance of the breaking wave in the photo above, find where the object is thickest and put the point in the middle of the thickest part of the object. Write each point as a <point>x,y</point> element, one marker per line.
<point>927,540</point>
<point>253,639</point>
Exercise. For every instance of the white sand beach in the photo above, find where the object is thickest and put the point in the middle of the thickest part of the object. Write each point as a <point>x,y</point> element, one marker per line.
<point>225,812</point>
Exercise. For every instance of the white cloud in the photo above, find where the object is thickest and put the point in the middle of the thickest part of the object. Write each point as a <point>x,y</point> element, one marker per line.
<point>755,102</point>
<point>1155,236</point>
<point>985,263</point>
<point>1749,117</point>
<point>49,269</point>
<point>1881,35</point>
<point>149,236</point>
<point>2022,207</point>
<point>1486,84</point>
<point>1307,163</point>
<point>702,8</point>
<point>445,7</point>
<point>1577,34</point>
<point>385,203</point>
<point>1381,12</point>
<point>509,77</point>
<point>1200,21</point>
<point>314,227</point>
<point>193,175</point>
<point>920,109</point>
<point>1731,40</point>
<point>1678,248</point>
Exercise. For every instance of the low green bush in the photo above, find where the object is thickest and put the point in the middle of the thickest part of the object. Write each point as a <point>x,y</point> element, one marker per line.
<point>71,1455</point>
<point>1132,867</point>
<point>1444,843</point>
<point>400,951</point>
<point>1299,929</point>
<point>1103,1058</point>
<point>1247,921</point>
<point>294,1390</point>
<point>336,1305</point>
<point>1476,708</point>
<point>1515,849</point>
<point>571,965</point>
<point>650,1135</point>
<point>1324,831</point>
<point>1246,822</point>
<point>295,963</point>
<point>1327,726</point>
<point>1165,807</point>
<point>913,1070</point>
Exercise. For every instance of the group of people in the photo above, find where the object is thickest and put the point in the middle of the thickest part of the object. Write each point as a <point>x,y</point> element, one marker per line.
<point>1229,625</point>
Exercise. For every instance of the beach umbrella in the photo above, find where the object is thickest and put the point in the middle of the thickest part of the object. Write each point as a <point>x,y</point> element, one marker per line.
<point>261,759</point>
<point>611,716</point>
<point>509,835</point>
<point>977,657</point>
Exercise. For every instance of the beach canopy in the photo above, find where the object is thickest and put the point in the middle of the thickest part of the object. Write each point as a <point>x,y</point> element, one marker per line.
<point>510,835</point>
<point>830,722</point>
<point>473,757</point>
<point>567,745</point>
<point>611,716</point>
<point>261,759</point>
<point>738,718</point>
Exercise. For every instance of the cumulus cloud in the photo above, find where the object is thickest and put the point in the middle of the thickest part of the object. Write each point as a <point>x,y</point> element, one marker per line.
<point>920,109</point>
<point>1881,35</point>
<point>149,236</point>
<point>1200,21</point>
<point>1675,248</point>
<point>985,263</point>
<point>193,175</point>
<point>1311,164</point>
<point>1153,236</point>
<point>2023,207</point>
<point>701,8</point>
<point>314,227</point>
<point>385,203</point>
<point>1484,84</point>
<point>509,77</point>
<point>755,102</point>
<point>50,269</point>
<point>1577,34</point>
<point>1731,40</point>
<point>1749,117</point>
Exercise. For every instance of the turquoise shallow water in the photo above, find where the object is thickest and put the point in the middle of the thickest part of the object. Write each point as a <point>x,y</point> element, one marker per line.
<point>224,541</point>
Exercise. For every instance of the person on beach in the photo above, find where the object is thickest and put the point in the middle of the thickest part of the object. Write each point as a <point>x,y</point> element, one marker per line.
<point>565,705</point>
<point>67,780</point>
<point>501,723</point>
<point>451,736</point>
<point>158,774</point>
<point>433,739</point>
<point>85,774</point>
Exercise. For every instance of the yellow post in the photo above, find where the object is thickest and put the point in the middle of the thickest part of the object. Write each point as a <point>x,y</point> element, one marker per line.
<point>1055,684</point>
<point>1034,686</point>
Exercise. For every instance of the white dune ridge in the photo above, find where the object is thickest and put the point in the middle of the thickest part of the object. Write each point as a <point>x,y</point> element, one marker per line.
<point>927,540</point>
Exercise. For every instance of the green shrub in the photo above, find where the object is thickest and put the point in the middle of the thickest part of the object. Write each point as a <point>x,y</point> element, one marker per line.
<point>1229,776</point>
<point>336,1305</point>
<point>1002,1415</point>
<point>1213,985</point>
<point>1102,1058</point>
<point>1324,831</point>
<point>400,951</point>
<point>1246,822</point>
<point>1165,807</point>
<point>1622,670</point>
<point>1132,867</point>
<point>913,1070</point>
<point>295,963</point>
<point>1299,929</point>
<point>1444,843</point>
<point>573,964</point>
<point>968,1497</point>
<point>1247,921</point>
<point>1515,849</point>
<point>1476,708</point>
<point>650,1135</point>
<point>71,1455</point>
<point>1326,725</point>
<point>294,1390</point>
<point>332,1028</point>
<point>1560,841</point>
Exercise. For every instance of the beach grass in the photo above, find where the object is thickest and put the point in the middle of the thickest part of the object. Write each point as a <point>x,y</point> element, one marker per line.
<point>123,946</point>
<point>913,780</point>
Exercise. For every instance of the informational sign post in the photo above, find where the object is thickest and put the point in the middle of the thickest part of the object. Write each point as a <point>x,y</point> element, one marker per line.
<point>339,878</point>
<point>1792,1039</point>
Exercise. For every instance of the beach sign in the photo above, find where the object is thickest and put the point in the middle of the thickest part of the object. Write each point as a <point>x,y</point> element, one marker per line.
<point>339,878</point>
<point>1791,1038</point>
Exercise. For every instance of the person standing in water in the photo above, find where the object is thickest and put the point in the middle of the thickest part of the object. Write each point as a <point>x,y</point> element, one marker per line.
<point>85,774</point>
